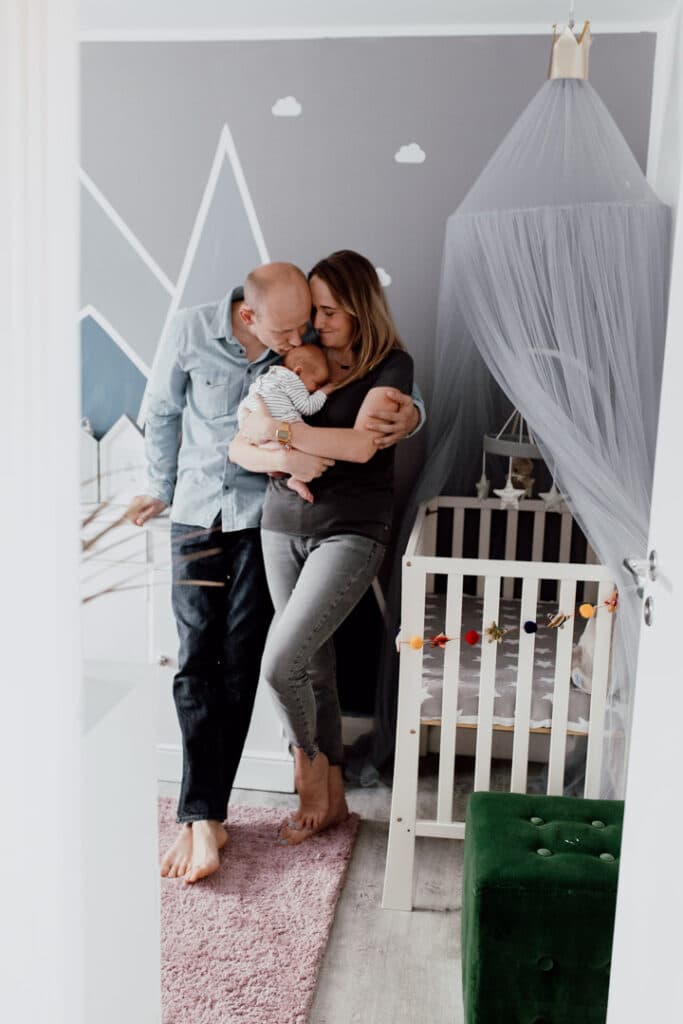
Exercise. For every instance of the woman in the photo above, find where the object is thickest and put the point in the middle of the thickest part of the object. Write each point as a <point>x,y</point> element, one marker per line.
<point>320,558</point>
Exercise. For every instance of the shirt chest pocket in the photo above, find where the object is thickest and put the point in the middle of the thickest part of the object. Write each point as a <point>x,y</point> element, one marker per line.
<point>212,395</point>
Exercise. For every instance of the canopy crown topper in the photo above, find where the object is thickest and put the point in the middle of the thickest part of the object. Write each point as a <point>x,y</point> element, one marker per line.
<point>569,53</point>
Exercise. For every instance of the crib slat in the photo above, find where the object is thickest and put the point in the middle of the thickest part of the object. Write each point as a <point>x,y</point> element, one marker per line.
<point>590,590</point>
<point>511,525</point>
<point>484,543</point>
<point>565,537</point>
<point>449,699</point>
<point>539,534</point>
<point>563,659</point>
<point>429,537</point>
<point>601,661</point>
<point>398,877</point>
<point>458,532</point>
<point>525,674</point>
<point>487,686</point>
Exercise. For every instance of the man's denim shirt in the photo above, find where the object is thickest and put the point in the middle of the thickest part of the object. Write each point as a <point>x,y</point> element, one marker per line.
<point>199,377</point>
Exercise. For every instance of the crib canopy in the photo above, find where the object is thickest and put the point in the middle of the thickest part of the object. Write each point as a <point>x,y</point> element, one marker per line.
<point>553,296</point>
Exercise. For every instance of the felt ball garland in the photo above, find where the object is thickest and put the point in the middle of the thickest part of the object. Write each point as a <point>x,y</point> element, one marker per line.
<point>496,634</point>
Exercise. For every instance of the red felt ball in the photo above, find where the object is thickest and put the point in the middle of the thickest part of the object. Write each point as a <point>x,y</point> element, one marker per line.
<point>471,637</point>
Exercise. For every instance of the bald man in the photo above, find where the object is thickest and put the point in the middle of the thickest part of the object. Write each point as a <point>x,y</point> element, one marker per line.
<point>206,362</point>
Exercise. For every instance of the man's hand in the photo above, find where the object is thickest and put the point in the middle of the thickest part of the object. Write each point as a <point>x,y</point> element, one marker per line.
<point>142,508</point>
<point>393,425</point>
<point>305,467</point>
<point>259,427</point>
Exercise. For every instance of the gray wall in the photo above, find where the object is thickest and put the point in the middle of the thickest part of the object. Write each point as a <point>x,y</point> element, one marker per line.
<point>153,113</point>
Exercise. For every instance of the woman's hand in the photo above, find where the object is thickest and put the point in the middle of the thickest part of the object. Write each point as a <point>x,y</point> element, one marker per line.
<point>390,414</point>
<point>259,427</point>
<point>305,467</point>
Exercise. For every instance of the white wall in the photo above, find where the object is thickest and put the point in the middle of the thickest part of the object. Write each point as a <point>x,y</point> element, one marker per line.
<point>666,122</point>
<point>41,942</point>
<point>646,981</point>
<point>276,19</point>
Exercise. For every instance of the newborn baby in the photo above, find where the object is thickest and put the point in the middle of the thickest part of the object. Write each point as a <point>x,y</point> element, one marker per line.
<point>290,391</point>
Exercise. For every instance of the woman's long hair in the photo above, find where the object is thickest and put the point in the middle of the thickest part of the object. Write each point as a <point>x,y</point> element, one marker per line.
<point>354,283</point>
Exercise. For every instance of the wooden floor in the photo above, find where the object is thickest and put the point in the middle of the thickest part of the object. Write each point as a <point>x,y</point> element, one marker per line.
<point>381,966</point>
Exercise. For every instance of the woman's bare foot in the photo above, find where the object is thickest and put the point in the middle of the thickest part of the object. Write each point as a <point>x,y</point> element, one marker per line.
<point>176,860</point>
<point>311,780</point>
<point>337,811</point>
<point>208,839</point>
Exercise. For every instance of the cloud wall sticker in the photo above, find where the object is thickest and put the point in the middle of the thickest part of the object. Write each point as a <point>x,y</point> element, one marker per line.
<point>286,106</point>
<point>410,154</point>
<point>384,278</point>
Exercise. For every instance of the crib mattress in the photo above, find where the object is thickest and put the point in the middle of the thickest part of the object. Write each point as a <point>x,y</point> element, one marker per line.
<point>506,668</point>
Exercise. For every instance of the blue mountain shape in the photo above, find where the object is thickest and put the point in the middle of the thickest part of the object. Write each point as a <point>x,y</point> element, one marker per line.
<point>111,384</point>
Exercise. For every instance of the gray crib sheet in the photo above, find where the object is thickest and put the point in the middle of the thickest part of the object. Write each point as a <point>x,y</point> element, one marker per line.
<point>506,667</point>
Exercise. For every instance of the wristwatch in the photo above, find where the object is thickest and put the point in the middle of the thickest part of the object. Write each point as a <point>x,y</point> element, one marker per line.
<point>283,434</point>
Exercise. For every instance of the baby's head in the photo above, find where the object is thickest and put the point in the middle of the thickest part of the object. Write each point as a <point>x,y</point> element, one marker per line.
<point>310,364</point>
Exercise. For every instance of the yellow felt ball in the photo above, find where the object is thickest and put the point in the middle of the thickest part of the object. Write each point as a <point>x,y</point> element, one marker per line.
<point>586,611</point>
<point>416,643</point>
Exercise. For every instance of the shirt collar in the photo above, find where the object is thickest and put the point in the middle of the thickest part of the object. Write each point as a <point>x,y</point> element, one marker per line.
<point>221,324</point>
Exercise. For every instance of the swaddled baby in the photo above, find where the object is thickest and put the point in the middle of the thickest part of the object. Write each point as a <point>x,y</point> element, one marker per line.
<point>290,391</point>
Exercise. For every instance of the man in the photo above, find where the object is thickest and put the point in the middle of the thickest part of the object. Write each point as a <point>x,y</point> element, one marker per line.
<point>207,360</point>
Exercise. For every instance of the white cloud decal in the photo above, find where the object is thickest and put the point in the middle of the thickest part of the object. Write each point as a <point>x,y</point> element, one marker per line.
<point>286,106</point>
<point>411,154</point>
<point>384,278</point>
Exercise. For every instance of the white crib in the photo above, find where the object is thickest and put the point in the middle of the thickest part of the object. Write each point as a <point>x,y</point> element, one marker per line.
<point>509,587</point>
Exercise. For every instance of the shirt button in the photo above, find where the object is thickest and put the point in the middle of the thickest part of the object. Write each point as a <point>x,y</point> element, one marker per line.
<point>225,487</point>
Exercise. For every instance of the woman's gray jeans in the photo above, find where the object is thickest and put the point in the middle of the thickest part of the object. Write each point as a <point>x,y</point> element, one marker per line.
<point>314,584</point>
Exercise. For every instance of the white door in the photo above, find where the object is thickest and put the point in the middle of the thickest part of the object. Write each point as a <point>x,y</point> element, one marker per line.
<point>647,981</point>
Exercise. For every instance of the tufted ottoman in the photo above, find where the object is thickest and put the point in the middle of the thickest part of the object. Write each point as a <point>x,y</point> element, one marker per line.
<point>539,894</point>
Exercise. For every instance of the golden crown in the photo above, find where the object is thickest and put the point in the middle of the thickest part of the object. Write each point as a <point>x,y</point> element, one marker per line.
<point>569,53</point>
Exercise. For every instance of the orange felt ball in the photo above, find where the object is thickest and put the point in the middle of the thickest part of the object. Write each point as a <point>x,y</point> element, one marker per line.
<point>586,611</point>
<point>416,643</point>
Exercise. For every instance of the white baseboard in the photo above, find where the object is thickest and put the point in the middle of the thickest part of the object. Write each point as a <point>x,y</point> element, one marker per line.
<point>258,770</point>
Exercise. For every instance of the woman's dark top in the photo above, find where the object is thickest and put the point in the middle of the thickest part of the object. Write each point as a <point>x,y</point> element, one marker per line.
<point>350,497</point>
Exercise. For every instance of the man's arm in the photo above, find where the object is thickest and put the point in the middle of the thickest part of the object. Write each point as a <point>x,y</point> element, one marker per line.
<point>165,403</point>
<point>394,415</point>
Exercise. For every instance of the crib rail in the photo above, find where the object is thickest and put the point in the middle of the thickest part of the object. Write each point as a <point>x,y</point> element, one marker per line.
<point>530,532</point>
<point>495,579</point>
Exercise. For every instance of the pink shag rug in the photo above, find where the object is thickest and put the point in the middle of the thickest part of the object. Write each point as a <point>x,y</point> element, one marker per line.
<point>245,945</point>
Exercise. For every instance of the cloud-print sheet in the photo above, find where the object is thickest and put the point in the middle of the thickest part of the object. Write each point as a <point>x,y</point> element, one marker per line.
<point>506,667</point>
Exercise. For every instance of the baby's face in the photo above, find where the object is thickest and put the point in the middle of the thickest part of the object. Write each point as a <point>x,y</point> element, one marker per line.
<point>310,366</point>
<point>313,377</point>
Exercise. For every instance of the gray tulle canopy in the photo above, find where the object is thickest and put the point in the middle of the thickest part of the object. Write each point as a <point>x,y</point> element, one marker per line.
<point>553,298</point>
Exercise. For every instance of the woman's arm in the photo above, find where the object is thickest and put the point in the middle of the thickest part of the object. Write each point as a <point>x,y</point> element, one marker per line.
<point>346,443</point>
<point>300,464</point>
<point>383,404</point>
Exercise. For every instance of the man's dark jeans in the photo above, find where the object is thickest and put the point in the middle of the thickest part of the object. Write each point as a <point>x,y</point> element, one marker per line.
<point>222,632</point>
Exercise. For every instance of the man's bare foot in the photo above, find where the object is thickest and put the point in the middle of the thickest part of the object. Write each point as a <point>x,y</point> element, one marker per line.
<point>176,860</point>
<point>208,839</point>
<point>337,811</point>
<point>311,780</point>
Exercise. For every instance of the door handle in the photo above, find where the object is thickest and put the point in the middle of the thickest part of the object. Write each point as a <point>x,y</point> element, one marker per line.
<point>636,567</point>
<point>641,569</point>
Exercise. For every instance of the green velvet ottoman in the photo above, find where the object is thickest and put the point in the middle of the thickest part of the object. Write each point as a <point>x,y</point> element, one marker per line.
<point>539,894</point>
